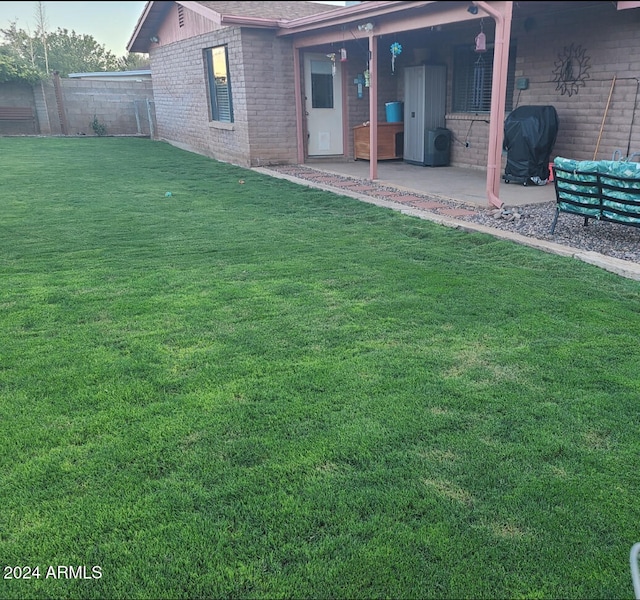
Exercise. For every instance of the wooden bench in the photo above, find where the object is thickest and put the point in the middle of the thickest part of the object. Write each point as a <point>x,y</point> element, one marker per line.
<point>605,190</point>
<point>16,113</point>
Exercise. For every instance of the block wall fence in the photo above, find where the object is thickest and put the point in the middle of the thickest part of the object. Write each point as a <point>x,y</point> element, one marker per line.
<point>69,106</point>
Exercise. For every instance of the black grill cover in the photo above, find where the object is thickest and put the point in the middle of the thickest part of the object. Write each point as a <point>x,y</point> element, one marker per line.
<point>529,136</point>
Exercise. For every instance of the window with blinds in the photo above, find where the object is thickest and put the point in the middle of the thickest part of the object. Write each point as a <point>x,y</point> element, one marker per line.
<point>219,84</point>
<point>473,76</point>
<point>321,84</point>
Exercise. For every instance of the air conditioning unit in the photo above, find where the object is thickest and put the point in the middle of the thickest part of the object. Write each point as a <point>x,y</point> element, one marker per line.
<point>437,151</point>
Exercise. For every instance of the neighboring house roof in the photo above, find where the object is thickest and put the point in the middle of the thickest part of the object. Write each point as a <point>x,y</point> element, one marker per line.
<point>251,14</point>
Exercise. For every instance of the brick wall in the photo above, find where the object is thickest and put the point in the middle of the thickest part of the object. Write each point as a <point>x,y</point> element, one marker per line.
<point>390,85</point>
<point>270,111</point>
<point>357,108</point>
<point>611,40</point>
<point>261,69</point>
<point>180,93</point>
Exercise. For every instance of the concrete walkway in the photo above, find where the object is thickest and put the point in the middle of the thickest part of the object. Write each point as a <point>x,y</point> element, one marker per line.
<point>416,191</point>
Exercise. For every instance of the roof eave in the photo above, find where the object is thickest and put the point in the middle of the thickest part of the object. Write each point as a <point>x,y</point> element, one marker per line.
<point>152,18</point>
<point>346,15</point>
<point>252,22</point>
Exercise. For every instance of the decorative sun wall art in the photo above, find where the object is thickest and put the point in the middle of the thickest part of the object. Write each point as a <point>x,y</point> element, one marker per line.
<point>571,69</point>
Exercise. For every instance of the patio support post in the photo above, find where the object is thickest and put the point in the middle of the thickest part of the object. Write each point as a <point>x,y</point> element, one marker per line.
<point>373,107</point>
<point>345,112</point>
<point>498,96</point>
<point>297,86</point>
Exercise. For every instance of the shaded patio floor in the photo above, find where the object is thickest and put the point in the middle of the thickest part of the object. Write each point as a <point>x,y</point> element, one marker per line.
<point>456,184</point>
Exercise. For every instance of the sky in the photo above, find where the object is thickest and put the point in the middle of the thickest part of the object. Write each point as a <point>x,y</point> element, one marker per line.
<point>111,24</point>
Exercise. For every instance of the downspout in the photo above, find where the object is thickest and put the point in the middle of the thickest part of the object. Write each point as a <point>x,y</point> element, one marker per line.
<point>297,86</point>
<point>498,96</point>
<point>373,107</point>
<point>345,111</point>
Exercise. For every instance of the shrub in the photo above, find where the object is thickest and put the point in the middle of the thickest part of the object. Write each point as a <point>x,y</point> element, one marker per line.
<point>98,127</point>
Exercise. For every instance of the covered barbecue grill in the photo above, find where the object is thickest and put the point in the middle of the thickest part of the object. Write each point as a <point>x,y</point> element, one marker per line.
<point>529,136</point>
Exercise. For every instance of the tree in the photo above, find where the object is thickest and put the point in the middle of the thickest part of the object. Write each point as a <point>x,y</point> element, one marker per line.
<point>41,20</point>
<point>66,51</point>
<point>133,62</point>
<point>26,56</point>
<point>70,52</point>
<point>15,69</point>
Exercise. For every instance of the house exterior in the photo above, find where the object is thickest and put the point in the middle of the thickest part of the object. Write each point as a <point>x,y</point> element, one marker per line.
<point>264,83</point>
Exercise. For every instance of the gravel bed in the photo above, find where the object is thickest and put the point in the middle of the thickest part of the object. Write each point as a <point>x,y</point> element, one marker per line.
<point>533,220</point>
<point>609,239</point>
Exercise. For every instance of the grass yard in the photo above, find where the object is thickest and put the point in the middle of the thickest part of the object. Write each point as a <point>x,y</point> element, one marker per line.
<point>262,390</point>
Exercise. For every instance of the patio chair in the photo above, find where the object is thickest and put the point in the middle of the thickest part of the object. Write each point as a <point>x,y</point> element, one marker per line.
<point>635,572</point>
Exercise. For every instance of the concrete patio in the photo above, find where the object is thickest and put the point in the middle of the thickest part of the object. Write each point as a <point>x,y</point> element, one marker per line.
<point>465,186</point>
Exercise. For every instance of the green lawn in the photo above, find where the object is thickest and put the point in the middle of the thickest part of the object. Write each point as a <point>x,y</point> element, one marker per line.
<point>262,390</point>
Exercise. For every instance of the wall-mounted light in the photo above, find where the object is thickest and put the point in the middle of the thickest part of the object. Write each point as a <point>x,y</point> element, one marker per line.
<point>365,27</point>
<point>154,39</point>
<point>472,9</point>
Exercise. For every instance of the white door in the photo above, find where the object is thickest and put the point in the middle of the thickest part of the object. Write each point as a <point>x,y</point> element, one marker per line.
<point>323,104</point>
